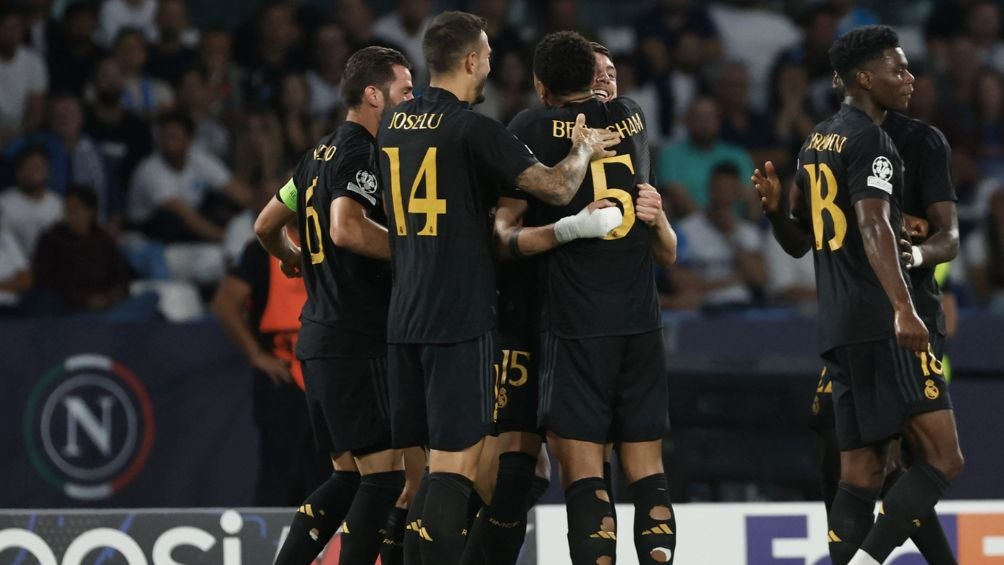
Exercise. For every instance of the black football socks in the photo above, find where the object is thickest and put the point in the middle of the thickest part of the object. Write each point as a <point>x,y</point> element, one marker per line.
<point>850,519</point>
<point>654,520</point>
<point>364,526</point>
<point>592,531</point>
<point>318,519</point>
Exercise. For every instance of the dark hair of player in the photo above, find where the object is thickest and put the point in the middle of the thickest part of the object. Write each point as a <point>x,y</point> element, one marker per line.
<point>600,48</point>
<point>370,66</point>
<point>28,152</point>
<point>858,47</point>
<point>177,118</point>
<point>450,37</point>
<point>564,62</point>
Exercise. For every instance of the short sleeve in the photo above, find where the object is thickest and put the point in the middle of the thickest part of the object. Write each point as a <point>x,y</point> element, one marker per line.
<point>357,178</point>
<point>498,149</point>
<point>871,165</point>
<point>252,267</point>
<point>935,175</point>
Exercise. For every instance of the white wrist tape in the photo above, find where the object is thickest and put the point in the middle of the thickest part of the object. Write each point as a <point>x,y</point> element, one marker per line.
<point>918,257</point>
<point>597,223</point>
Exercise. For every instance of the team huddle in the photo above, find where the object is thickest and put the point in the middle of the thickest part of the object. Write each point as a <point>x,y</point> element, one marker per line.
<point>474,290</point>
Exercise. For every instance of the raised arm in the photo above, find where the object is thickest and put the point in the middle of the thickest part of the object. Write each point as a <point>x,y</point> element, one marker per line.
<point>789,231</point>
<point>558,184</point>
<point>880,247</point>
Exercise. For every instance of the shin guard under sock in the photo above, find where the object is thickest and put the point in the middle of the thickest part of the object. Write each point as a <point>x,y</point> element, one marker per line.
<point>592,531</point>
<point>912,497</point>
<point>318,519</point>
<point>392,549</point>
<point>364,526</point>
<point>849,520</point>
<point>654,520</point>
<point>444,519</point>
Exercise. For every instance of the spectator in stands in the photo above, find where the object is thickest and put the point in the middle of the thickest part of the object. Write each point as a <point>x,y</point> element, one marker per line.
<point>181,193</point>
<point>73,54</point>
<point>194,100</point>
<point>984,253</point>
<point>502,35</point>
<point>224,76</point>
<point>29,208</point>
<point>741,124</point>
<point>850,15</point>
<point>405,26</point>
<point>40,28</point>
<point>956,87</point>
<point>117,15</point>
<point>258,157</point>
<point>790,281</point>
<point>299,129</point>
<point>23,79</point>
<point>15,273</point>
<point>324,79</point>
<point>819,29</point>
<point>667,20</point>
<point>508,95</point>
<point>685,168</point>
<point>924,102</point>
<point>645,94</point>
<point>723,262</point>
<point>77,262</point>
<point>73,156</point>
<point>983,25</point>
<point>272,52</point>
<point>142,94</point>
<point>170,55</point>
<point>789,102</point>
<point>989,110</point>
<point>122,137</point>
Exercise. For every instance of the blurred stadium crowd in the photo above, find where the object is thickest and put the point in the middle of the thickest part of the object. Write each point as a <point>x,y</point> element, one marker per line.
<point>138,138</point>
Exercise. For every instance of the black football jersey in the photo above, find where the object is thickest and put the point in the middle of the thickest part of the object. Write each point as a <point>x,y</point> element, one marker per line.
<point>441,165</point>
<point>519,289</point>
<point>845,159</point>
<point>603,286</point>
<point>927,160</point>
<point>347,294</point>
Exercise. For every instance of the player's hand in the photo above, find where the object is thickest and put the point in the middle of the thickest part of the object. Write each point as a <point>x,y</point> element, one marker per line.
<point>292,265</point>
<point>648,205</point>
<point>768,186</point>
<point>917,228</point>
<point>595,220</point>
<point>274,368</point>
<point>910,331</point>
<point>597,141</point>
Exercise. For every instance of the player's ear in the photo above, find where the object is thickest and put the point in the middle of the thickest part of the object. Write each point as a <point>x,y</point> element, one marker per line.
<point>372,96</point>
<point>864,79</point>
<point>471,62</point>
<point>542,91</point>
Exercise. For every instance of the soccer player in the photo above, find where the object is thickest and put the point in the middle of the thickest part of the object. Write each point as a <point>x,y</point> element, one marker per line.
<point>930,211</point>
<point>848,195</point>
<point>603,375</point>
<point>343,255</point>
<point>443,165</point>
<point>509,460</point>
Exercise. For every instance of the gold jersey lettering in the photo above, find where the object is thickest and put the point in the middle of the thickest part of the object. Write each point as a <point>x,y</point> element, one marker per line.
<point>825,202</point>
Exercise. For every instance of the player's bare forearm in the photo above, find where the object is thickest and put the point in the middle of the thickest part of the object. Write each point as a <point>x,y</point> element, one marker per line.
<point>664,242</point>
<point>269,227</point>
<point>513,240</point>
<point>558,184</point>
<point>352,229</point>
<point>790,234</point>
<point>880,247</point>
<point>942,245</point>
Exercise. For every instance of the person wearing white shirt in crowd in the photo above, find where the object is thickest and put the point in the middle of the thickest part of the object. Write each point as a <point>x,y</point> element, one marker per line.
<point>15,275</point>
<point>29,208</point>
<point>406,27</point>
<point>723,261</point>
<point>170,187</point>
<point>331,51</point>
<point>23,79</point>
<point>143,94</point>
<point>117,15</point>
<point>791,281</point>
<point>983,250</point>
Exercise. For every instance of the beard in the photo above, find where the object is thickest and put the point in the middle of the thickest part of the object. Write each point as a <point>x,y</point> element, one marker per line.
<point>479,95</point>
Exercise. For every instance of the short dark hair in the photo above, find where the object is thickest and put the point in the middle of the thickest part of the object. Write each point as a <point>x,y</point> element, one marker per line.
<point>727,168</point>
<point>564,62</point>
<point>859,46</point>
<point>85,194</point>
<point>450,36</point>
<point>370,66</point>
<point>177,118</point>
<point>600,48</point>
<point>29,151</point>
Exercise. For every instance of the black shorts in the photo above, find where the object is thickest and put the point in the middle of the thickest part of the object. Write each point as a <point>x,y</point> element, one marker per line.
<point>605,389</point>
<point>877,385</point>
<point>441,394</point>
<point>517,384</point>
<point>347,402</point>
<point>821,411</point>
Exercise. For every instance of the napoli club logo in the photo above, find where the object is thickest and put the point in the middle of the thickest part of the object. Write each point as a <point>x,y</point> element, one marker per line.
<point>89,427</point>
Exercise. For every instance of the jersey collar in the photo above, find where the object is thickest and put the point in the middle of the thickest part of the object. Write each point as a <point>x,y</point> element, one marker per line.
<point>441,95</point>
